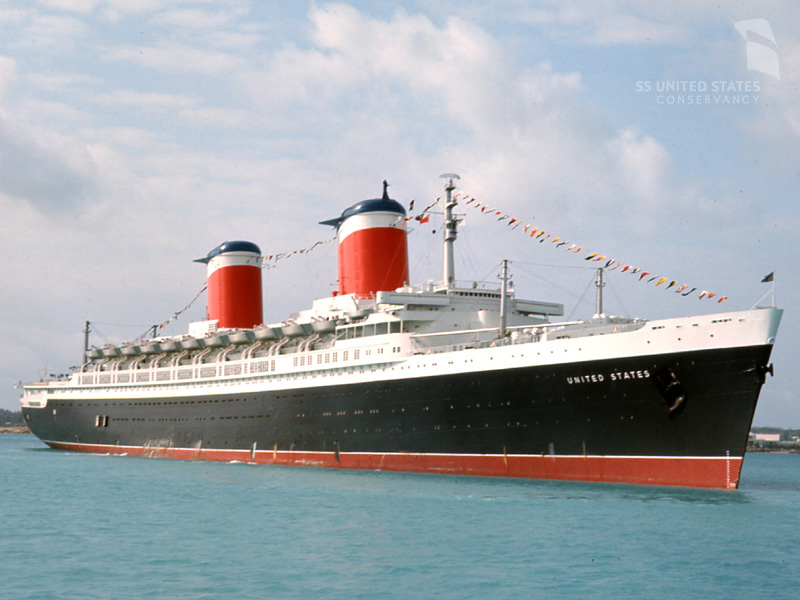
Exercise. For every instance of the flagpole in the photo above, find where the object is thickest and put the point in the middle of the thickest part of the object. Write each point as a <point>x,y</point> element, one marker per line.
<point>774,302</point>
<point>768,279</point>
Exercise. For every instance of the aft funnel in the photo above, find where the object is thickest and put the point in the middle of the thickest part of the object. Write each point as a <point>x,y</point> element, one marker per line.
<point>234,284</point>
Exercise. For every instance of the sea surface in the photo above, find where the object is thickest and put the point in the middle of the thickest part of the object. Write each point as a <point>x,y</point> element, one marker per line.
<point>81,526</point>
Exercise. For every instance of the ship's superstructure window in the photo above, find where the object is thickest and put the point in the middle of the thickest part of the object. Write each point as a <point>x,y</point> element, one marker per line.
<point>357,331</point>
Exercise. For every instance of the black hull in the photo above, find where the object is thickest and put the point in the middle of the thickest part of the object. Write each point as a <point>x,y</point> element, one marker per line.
<point>693,404</point>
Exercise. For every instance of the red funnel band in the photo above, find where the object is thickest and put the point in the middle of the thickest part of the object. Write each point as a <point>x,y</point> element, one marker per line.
<point>373,254</point>
<point>234,290</point>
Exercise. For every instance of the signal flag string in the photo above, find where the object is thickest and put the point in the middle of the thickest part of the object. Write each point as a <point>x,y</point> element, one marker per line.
<point>269,260</point>
<point>611,264</point>
<point>174,316</point>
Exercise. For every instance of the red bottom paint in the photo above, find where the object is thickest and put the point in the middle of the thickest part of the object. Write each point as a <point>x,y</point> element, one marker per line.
<point>705,472</point>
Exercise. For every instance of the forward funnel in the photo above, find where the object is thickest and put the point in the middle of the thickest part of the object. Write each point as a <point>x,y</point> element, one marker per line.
<point>372,246</point>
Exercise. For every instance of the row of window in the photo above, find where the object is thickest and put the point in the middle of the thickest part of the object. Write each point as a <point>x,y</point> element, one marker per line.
<point>262,366</point>
<point>103,420</point>
<point>330,357</point>
<point>357,331</point>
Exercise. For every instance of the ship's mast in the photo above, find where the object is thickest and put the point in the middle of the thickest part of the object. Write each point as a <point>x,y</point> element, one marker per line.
<point>86,342</point>
<point>599,298</point>
<point>450,232</point>
<point>503,299</point>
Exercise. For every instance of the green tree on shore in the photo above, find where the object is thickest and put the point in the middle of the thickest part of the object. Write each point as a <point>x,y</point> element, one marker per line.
<point>11,418</point>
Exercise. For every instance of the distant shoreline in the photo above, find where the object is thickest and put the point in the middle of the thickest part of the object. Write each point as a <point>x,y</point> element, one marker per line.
<point>774,450</point>
<point>15,429</point>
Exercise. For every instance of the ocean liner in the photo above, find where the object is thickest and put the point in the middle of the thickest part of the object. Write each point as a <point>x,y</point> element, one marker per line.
<point>450,377</point>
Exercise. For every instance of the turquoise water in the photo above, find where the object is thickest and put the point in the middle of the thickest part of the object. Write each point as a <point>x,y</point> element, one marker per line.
<point>103,527</point>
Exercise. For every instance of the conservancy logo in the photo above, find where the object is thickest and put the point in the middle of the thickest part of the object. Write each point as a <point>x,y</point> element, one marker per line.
<point>762,57</point>
<point>762,49</point>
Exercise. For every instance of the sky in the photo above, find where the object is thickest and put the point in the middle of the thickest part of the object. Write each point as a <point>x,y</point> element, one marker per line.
<point>137,136</point>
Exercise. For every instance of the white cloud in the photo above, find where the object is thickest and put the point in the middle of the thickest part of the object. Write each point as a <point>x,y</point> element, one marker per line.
<point>50,114</point>
<point>123,136</point>
<point>145,99</point>
<point>171,106</point>
<point>177,57</point>
<point>203,20</point>
<point>215,117</point>
<point>48,31</point>
<point>78,6</point>
<point>59,82</point>
<point>633,30</point>
<point>238,39</point>
<point>113,9</point>
<point>8,75</point>
<point>12,16</point>
<point>43,168</point>
<point>642,163</point>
